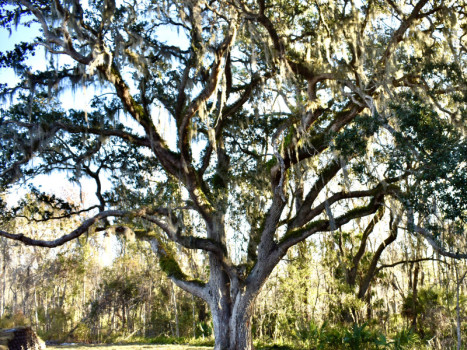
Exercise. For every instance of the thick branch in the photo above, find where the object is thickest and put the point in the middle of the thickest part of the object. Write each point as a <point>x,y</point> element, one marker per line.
<point>170,266</point>
<point>75,129</point>
<point>82,228</point>
<point>295,236</point>
<point>326,175</point>
<point>66,238</point>
<point>316,144</point>
<point>272,253</point>
<point>385,266</point>
<point>208,245</point>
<point>189,242</point>
<point>382,187</point>
<point>169,160</point>
<point>51,38</point>
<point>207,91</point>
<point>436,246</point>
<point>35,144</point>
<point>59,217</point>
<point>365,283</point>
<point>399,33</point>
<point>352,273</point>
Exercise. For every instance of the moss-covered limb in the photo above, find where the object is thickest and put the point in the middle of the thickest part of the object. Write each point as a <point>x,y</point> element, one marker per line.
<point>436,244</point>
<point>90,223</point>
<point>375,203</point>
<point>205,244</point>
<point>398,35</point>
<point>255,238</point>
<point>309,144</point>
<point>170,266</point>
<point>200,193</point>
<point>12,172</point>
<point>300,148</point>
<point>297,235</point>
<point>198,189</point>
<point>167,227</point>
<point>271,220</point>
<point>244,92</point>
<point>299,151</point>
<point>344,117</point>
<point>211,246</point>
<point>64,40</point>
<point>174,233</point>
<point>144,234</point>
<point>124,135</point>
<point>412,261</point>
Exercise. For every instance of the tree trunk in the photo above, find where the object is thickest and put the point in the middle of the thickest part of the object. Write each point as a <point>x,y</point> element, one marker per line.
<point>2,310</point>
<point>36,307</point>
<point>193,315</point>
<point>231,302</point>
<point>414,296</point>
<point>459,281</point>
<point>231,308</point>
<point>175,310</point>
<point>228,293</point>
<point>232,326</point>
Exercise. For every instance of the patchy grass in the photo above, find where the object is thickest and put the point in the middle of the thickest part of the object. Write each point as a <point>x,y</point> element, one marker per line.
<point>128,347</point>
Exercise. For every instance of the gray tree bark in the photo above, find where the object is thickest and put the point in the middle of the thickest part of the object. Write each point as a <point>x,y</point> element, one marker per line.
<point>459,281</point>
<point>232,322</point>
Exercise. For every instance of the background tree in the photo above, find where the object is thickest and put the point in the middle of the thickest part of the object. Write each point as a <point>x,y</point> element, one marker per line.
<point>286,120</point>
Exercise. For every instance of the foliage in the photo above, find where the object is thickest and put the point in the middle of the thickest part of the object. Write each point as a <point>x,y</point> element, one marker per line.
<point>10,321</point>
<point>356,337</point>
<point>431,306</point>
<point>126,346</point>
<point>406,339</point>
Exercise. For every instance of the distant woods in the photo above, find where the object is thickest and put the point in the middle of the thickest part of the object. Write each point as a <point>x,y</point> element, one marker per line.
<point>325,292</point>
<point>98,290</point>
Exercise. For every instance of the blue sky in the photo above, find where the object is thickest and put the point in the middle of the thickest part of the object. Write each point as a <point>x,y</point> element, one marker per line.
<point>8,41</point>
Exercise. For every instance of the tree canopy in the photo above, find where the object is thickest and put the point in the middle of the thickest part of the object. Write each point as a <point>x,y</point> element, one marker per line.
<point>241,128</point>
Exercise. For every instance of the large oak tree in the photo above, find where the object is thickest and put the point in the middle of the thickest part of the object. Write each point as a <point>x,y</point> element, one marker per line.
<point>283,120</point>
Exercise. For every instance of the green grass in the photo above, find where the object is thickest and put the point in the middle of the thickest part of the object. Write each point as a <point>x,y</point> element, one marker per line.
<point>129,347</point>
